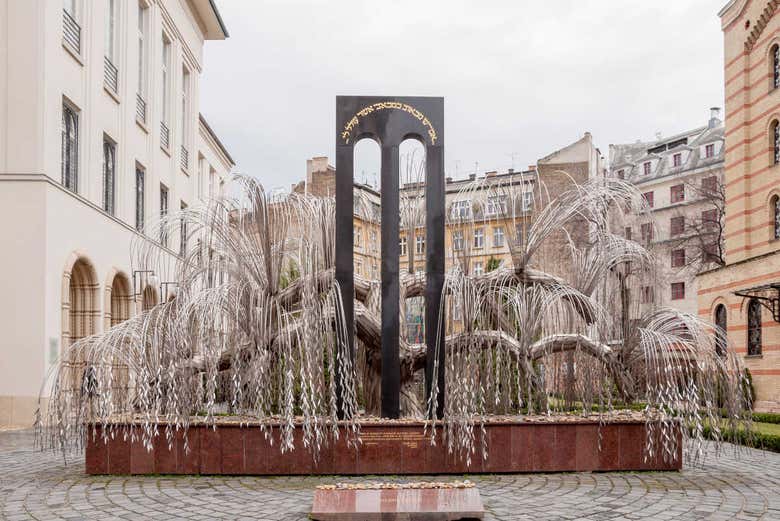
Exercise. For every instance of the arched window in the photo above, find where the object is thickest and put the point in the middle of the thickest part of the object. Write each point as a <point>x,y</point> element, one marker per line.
<point>149,298</point>
<point>754,328</point>
<point>70,148</point>
<point>775,56</point>
<point>721,320</point>
<point>775,142</point>
<point>119,303</point>
<point>774,209</point>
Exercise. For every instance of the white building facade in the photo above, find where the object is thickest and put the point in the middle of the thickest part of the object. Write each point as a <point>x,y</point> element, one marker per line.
<point>100,134</point>
<point>681,180</point>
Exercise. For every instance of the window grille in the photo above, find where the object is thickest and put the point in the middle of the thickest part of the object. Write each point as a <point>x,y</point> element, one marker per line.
<point>754,328</point>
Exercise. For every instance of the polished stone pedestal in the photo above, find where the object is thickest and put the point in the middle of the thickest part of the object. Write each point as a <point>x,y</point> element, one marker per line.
<point>386,448</point>
<point>398,505</point>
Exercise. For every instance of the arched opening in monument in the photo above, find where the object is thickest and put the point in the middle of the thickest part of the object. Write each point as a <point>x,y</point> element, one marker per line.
<point>367,258</point>
<point>411,203</point>
<point>367,209</point>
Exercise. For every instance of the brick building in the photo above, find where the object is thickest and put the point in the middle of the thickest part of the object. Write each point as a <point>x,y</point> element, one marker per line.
<point>742,296</point>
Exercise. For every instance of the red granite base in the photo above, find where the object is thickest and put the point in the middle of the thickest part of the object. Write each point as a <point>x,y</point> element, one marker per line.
<point>386,448</point>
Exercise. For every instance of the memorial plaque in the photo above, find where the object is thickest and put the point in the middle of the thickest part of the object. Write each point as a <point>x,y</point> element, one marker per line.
<point>434,504</point>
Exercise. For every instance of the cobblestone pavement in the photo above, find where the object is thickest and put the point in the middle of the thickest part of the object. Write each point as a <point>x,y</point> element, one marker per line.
<point>36,485</point>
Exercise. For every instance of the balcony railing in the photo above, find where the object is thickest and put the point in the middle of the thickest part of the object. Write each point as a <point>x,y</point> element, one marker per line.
<point>71,32</point>
<point>165,136</point>
<point>185,158</point>
<point>110,74</point>
<point>140,108</point>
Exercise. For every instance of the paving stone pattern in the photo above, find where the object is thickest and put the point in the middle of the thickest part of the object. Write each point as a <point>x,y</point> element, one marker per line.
<point>35,485</point>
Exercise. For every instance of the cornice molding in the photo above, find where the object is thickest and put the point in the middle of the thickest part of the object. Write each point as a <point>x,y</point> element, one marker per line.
<point>761,23</point>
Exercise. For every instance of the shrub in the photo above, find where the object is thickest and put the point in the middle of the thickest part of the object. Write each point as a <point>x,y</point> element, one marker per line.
<point>755,439</point>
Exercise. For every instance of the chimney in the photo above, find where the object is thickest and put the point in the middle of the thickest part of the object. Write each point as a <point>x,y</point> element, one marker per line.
<point>491,174</point>
<point>511,170</point>
<point>472,177</point>
<point>532,168</point>
<point>449,179</point>
<point>714,117</point>
<point>658,136</point>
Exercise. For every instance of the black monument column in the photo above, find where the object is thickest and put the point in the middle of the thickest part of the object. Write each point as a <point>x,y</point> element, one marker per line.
<point>391,361</point>
<point>344,256</point>
<point>434,268</point>
<point>390,121</point>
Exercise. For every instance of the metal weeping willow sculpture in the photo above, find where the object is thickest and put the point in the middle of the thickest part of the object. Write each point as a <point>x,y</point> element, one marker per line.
<point>269,325</point>
<point>255,329</point>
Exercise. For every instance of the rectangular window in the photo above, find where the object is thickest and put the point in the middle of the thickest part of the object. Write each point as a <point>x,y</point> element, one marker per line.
<point>139,197</point>
<point>647,232</point>
<point>71,30</point>
<point>163,214</point>
<point>70,148</point>
<point>648,295</point>
<point>358,234</point>
<point>479,237</point>
<point>419,244</point>
<point>372,240</point>
<point>677,159</point>
<point>166,62</point>
<point>457,240</point>
<point>677,193</point>
<point>678,290</point>
<point>621,174</point>
<point>184,235</point>
<point>519,234</point>
<point>110,34</point>
<point>403,245</point>
<point>185,117</point>
<point>648,197</point>
<point>109,174</point>
<point>709,151</point>
<point>528,201</point>
<point>709,218</point>
<point>712,253</point>
<point>461,209</point>
<point>628,232</point>
<point>677,225</point>
<point>358,267</point>
<point>143,9</point>
<point>478,268</point>
<point>646,168</point>
<point>70,7</point>
<point>709,184</point>
<point>498,237</point>
<point>678,258</point>
<point>110,71</point>
<point>496,205</point>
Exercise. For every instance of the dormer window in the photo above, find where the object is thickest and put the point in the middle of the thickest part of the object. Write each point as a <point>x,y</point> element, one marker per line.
<point>621,174</point>
<point>709,150</point>
<point>677,160</point>
<point>646,168</point>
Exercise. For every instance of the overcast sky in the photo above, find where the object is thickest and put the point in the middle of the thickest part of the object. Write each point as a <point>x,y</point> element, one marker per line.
<point>520,79</point>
